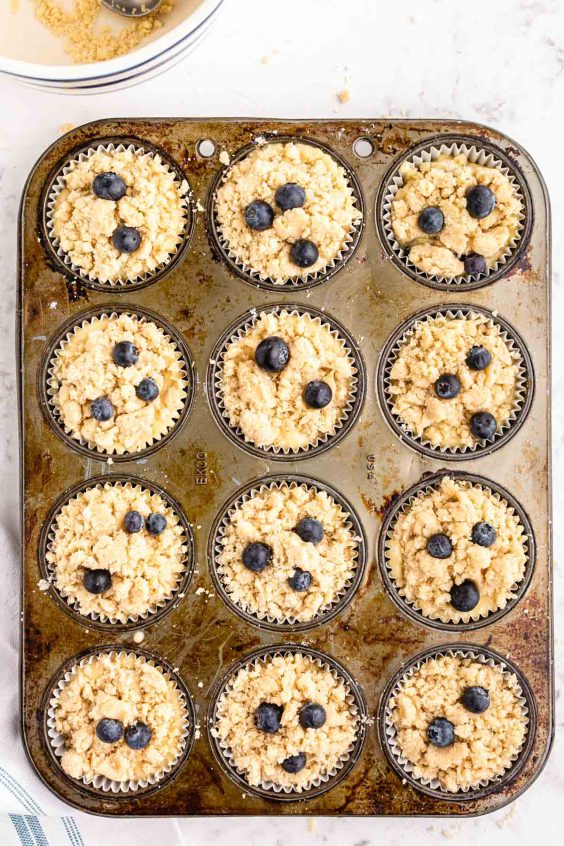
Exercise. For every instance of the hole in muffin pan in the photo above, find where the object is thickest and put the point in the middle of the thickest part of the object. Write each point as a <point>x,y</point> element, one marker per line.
<point>456,284</point>
<point>65,604</point>
<point>242,495</point>
<point>363,148</point>
<point>221,248</point>
<point>272,793</point>
<point>150,656</point>
<point>428,483</point>
<point>449,453</point>
<point>81,277</point>
<point>496,784</point>
<point>45,397</point>
<point>206,148</point>
<point>235,434</point>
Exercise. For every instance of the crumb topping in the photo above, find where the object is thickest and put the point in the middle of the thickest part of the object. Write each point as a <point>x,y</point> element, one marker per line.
<point>485,744</point>
<point>290,681</point>
<point>84,370</point>
<point>269,407</point>
<point>327,217</point>
<point>453,508</point>
<point>437,346</point>
<point>155,205</point>
<point>90,534</point>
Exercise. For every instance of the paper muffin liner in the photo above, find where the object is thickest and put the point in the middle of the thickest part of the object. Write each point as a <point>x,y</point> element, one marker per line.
<point>477,153</point>
<point>418,492</point>
<point>388,732</point>
<point>58,182</point>
<point>524,385</point>
<point>56,741</point>
<point>155,611</point>
<point>49,386</point>
<point>306,279</point>
<point>288,622</point>
<point>349,414</point>
<point>323,782</point>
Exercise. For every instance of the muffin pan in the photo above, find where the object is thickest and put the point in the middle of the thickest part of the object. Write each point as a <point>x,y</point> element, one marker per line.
<point>203,465</point>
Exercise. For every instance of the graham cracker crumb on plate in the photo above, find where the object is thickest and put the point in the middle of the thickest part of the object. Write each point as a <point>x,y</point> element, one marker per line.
<point>344,96</point>
<point>312,825</point>
<point>66,127</point>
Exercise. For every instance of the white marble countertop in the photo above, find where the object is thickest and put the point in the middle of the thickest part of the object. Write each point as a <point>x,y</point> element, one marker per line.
<point>499,62</point>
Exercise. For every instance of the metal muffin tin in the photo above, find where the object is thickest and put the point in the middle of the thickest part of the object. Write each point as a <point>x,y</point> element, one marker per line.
<point>202,468</point>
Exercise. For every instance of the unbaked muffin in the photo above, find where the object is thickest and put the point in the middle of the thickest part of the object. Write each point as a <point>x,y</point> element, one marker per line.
<point>287,552</point>
<point>118,551</point>
<point>120,719</point>
<point>287,381</point>
<point>286,721</point>
<point>118,383</point>
<point>454,381</point>
<point>286,210</point>
<point>120,214</point>
<point>457,552</point>
<point>458,721</point>
<point>454,216</point>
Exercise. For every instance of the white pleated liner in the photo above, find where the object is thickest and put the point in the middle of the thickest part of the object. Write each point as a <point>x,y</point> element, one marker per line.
<point>475,155</point>
<point>238,334</point>
<point>99,617</point>
<point>306,278</point>
<point>391,734</point>
<point>475,616</point>
<point>53,385</point>
<point>59,183</point>
<point>270,785</point>
<point>218,548</point>
<point>520,385</point>
<point>102,783</point>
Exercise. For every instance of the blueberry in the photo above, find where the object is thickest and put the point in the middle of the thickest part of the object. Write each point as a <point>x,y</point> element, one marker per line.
<point>431,220</point>
<point>272,354</point>
<point>304,253</point>
<point>317,394</point>
<point>447,386</point>
<point>138,735</point>
<point>476,699</point>
<point>102,409</point>
<point>310,530</point>
<point>133,522</point>
<point>125,354</point>
<point>268,716</point>
<point>147,390</point>
<point>312,716</point>
<point>474,264</point>
<point>126,239</point>
<point>300,580</point>
<point>156,523</point>
<point>109,731</point>
<point>483,534</point>
<point>440,732</point>
<point>257,556</point>
<point>295,763</point>
<point>109,186</point>
<point>439,546</point>
<point>259,215</point>
<point>97,581</point>
<point>483,425</point>
<point>480,201</point>
<point>465,596</point>
<point>290,196</point>
<point>478,358</point>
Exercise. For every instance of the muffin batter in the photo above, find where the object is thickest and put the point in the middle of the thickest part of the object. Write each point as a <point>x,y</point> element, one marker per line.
<point>84,370</point>
<point>485,744</point>
<point>291,681</point>
<point>90,533</point>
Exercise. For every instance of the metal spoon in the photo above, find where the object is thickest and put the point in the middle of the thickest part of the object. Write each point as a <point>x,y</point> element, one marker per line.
<point>132,8</point>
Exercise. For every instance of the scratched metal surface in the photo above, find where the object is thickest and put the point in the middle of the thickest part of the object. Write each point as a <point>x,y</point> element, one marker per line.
<point>201,468</point>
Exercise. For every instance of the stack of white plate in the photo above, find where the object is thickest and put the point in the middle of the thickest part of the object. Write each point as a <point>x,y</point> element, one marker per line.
<point>35,57</point>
